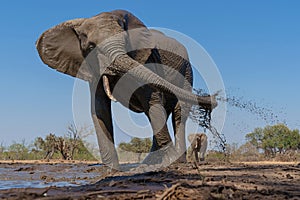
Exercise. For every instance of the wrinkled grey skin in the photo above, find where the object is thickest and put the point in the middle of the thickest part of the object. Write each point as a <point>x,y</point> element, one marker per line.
<point>198,145</point>
<point>115,47</point>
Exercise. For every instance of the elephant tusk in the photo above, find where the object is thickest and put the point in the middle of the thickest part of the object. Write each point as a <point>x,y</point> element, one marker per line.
<point>107,89</point>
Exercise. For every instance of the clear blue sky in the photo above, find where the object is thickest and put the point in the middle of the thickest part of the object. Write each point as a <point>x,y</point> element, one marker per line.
<point>255,44</point>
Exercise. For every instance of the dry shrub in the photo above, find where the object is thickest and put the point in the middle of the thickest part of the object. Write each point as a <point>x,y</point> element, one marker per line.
<point>215,156</point>
<point>288,156</point>
<point>246,152</point>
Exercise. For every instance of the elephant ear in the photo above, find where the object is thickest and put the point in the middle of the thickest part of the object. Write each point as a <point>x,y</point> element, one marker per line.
<point>59,48</point>
<point>139,42</point>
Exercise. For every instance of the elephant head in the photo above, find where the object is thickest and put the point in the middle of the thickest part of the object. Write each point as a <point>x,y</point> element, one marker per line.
<point>91,48</point>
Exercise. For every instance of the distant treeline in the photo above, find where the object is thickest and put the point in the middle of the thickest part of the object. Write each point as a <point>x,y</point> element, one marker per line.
<point>271,142</point>
<point>68,147</point>
<point>277,142</point>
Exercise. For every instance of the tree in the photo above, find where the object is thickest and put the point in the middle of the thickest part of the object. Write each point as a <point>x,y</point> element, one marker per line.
<point>72,142</point>
<point>274,139</point>
<point>248,152</point>
<point>2,147</point>
<point>48,146</point>
<point>18,151</point>
<point>256,137</point>
<point>293,141</point>
<point>137,145</point>
<point>67,146</point>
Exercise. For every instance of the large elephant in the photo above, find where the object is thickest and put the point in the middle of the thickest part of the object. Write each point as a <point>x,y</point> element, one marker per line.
<point>123,60</point>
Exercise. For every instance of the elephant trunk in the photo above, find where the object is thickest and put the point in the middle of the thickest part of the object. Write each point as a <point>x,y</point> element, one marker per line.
<point>146,76</point>
<point>115,49</point>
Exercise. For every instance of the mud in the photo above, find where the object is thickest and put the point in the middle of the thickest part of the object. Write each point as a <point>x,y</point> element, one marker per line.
<point>20,175</point>
<point>263,112</point>
<point>178,181</point>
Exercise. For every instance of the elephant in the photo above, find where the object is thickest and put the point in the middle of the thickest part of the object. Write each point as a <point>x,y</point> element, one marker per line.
<point>198,146</point>
<point>122,60</point>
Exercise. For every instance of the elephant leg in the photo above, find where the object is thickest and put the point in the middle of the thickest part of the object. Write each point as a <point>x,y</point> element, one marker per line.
<point>192,153</point>
<point>196,156</point>
<point>154,146</point>
<point>201,156</point>
<point>179,118</point>
<point>102,118</point>
<point>203,148</point>
<point>162,150</point>
<point>159,134</point>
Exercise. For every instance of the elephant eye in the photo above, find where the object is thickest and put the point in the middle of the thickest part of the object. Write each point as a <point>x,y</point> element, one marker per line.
<point>91,46</point>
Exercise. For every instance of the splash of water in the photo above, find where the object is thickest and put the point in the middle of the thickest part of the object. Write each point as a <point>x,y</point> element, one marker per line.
<point>203,117</point>
<point>263,112</point>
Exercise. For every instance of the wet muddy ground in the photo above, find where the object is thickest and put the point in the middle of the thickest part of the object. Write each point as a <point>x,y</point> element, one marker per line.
<point>178,181</point>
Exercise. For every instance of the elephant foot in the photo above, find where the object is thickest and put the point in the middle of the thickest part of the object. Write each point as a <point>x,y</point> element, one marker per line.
<point>153,158</point>
<point>142,168</point>
<point>170,155</point>
<point>202,162</point>
<point>182,158</point>
<point>164,156</point>
<point>112,165</point>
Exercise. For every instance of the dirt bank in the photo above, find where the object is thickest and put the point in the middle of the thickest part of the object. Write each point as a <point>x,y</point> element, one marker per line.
<point>181,181</point>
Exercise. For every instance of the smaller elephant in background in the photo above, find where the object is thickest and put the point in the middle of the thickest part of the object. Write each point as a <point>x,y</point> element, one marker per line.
<point>198,146</point>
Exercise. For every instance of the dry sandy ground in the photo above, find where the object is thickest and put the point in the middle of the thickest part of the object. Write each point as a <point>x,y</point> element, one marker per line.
<point>262,180</point>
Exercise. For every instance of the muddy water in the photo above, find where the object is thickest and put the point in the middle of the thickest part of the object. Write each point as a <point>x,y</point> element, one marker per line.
<point>16,175</point>
<point>41,175</point>
<point>260,111</point>
<point>264,112</point>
